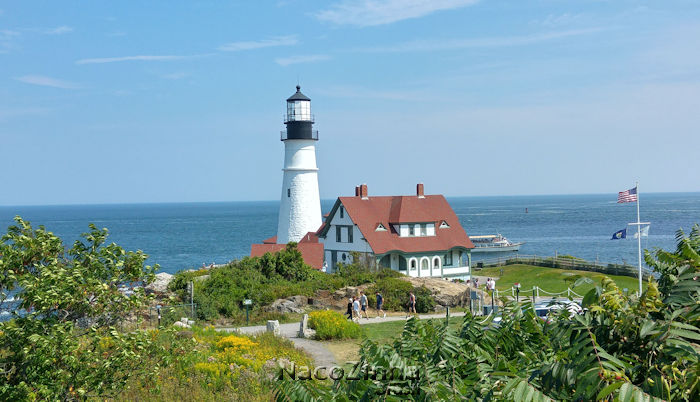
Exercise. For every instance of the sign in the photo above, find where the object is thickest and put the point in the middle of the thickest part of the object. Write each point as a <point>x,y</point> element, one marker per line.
<point>517,285</point>
<point>247,302</point>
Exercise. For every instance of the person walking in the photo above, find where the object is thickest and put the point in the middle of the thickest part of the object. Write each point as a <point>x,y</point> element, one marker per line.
<point>356,309</point>
<point>349,312</point>
<point>363,304</point>
<point>411,304</point>
<point>380,302</point>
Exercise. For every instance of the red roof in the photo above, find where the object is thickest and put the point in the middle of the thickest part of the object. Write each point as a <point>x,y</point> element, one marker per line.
<point>311,252</point>
<point>368,213</point>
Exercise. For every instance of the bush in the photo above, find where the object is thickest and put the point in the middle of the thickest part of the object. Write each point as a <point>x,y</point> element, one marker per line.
<point>395,292</point>
<point>333,325</point>
<point>425,303</point>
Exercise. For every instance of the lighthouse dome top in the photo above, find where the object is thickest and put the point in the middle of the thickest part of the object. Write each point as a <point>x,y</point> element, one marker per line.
<point>298,96</point>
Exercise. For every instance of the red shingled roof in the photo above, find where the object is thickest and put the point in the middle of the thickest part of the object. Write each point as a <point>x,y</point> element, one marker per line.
<point>388,210</point>
<point>311,252</point>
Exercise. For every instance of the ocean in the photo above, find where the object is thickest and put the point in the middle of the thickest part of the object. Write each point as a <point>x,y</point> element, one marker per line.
<point>186,235</point>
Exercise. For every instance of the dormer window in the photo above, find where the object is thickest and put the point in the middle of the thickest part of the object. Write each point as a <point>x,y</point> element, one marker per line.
<point>380,228</point>
<point>444,225</point>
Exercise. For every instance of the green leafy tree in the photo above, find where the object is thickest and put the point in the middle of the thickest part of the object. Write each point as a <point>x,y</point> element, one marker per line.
<point>62,342</point>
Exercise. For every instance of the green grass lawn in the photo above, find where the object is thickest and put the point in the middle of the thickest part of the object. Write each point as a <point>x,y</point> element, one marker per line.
<point>550,279</point>
<point>382,332</point>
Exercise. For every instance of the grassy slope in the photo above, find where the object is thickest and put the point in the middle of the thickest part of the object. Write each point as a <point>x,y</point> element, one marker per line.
<point>383,332</point>
<point>549,279</point>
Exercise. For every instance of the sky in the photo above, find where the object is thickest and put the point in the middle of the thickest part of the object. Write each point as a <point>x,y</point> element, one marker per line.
<point>183,101</point>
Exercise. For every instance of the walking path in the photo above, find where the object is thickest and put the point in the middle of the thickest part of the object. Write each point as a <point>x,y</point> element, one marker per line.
<point>317,350</point>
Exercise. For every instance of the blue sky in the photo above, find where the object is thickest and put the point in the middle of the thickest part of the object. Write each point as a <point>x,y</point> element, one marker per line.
<point>162,101</point>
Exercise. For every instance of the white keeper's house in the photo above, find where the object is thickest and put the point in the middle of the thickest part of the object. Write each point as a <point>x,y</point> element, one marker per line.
<point>417,235</point>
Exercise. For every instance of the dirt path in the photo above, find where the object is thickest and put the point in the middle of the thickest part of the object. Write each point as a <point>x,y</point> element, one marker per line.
<point>317,350</point>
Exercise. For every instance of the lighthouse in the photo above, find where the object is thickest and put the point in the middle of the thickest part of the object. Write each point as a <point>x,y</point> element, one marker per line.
<point>300,204</point>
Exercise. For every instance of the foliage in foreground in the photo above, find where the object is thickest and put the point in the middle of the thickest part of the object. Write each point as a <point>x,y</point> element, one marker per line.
<point>62,343</point>
<point>621,348</point>
<point>331,324</point>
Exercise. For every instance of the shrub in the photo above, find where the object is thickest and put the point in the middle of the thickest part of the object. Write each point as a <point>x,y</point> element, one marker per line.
<point>333,325</point>
<point>395,292</point>
<point>425,302</point>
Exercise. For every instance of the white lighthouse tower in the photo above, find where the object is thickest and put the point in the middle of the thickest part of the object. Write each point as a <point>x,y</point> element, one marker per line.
<point>300,206</point>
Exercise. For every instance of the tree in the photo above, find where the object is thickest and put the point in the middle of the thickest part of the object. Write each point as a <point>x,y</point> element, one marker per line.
<point>61,343</point>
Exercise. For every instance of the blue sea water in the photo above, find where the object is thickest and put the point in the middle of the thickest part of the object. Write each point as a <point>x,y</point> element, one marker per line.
<point>186,235</point>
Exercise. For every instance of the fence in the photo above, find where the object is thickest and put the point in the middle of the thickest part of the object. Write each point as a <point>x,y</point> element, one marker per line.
<point>168,314</point>
<point>565,263</point>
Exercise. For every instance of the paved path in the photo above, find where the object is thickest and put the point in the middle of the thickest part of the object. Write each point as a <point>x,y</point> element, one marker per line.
<point>317,350</point>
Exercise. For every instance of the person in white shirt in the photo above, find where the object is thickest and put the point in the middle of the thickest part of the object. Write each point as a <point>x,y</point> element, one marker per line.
<point>356,309</point>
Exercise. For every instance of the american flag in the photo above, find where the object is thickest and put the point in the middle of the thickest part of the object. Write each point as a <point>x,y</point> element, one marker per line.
<point>627,196</point>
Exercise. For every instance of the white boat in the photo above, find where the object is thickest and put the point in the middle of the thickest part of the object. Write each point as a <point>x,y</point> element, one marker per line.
<point>493,243</point>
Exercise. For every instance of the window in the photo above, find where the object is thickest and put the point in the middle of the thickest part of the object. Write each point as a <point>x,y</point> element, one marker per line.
<point>342,212</point>
<point>380,228</point>
<point>424,264</point>
<point>414,264</point>
<point>444,225</point>
<point>289,192</point>
<point>349,234</point>
<point>423,229</point>
<point>448,258</point>
<point>411,232</point>
<point>337,234</point>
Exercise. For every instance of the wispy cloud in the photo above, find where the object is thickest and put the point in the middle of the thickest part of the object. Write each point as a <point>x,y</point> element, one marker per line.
<point>505,41</point>
<point>285,61</point>
<point>377,12</point>
<point>7,38</point>
<point>58,30</point>
<point>102,60</point>
<point>47,82</point>
<point>289,40</point>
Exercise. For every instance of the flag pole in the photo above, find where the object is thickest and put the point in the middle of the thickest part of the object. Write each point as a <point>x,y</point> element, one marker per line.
<point>639,242</point>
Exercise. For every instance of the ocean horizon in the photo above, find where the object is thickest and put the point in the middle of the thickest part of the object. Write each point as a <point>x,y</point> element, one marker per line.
<point>183,235</point>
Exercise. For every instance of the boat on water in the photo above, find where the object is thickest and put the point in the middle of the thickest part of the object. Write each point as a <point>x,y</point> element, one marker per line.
<point>493,243</point>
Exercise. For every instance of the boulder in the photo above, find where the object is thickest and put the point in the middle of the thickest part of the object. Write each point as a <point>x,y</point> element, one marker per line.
<point>160,285</point>
<point>274,327</point>
<point>292,304</point>
<point>180,324</point>
<point>304,330</point>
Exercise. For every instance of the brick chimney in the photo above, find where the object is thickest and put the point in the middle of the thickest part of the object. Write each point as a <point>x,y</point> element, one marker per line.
<point>357,191</point>
<point>363,192</point>
<point>419,190</point>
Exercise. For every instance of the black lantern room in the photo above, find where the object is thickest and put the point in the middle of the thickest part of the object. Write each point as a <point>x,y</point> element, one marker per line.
<point>299,118</point>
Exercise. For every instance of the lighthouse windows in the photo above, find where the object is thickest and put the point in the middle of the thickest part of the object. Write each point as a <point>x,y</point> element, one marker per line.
<point>299,110</point>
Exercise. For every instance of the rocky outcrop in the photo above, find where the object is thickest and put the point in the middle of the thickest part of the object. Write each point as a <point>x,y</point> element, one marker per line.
<point>294,304</point>
<point>160,285</point>
<point>447,293</point>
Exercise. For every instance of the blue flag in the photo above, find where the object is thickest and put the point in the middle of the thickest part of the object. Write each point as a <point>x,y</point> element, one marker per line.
<point>620,234</point>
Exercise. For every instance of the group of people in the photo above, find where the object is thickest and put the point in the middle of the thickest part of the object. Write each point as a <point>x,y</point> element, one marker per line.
<point>358,305</point>
<point>490,284</point>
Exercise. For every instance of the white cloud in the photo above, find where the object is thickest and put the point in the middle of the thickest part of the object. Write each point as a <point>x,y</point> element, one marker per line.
<point>285,61</point>
<point>103,60</point>
<point>8,113</point>
<point>449,44</point>
<point>59,30</point>
<point>47,82</point>
<point>289,40</point>
<point>379,12</point>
